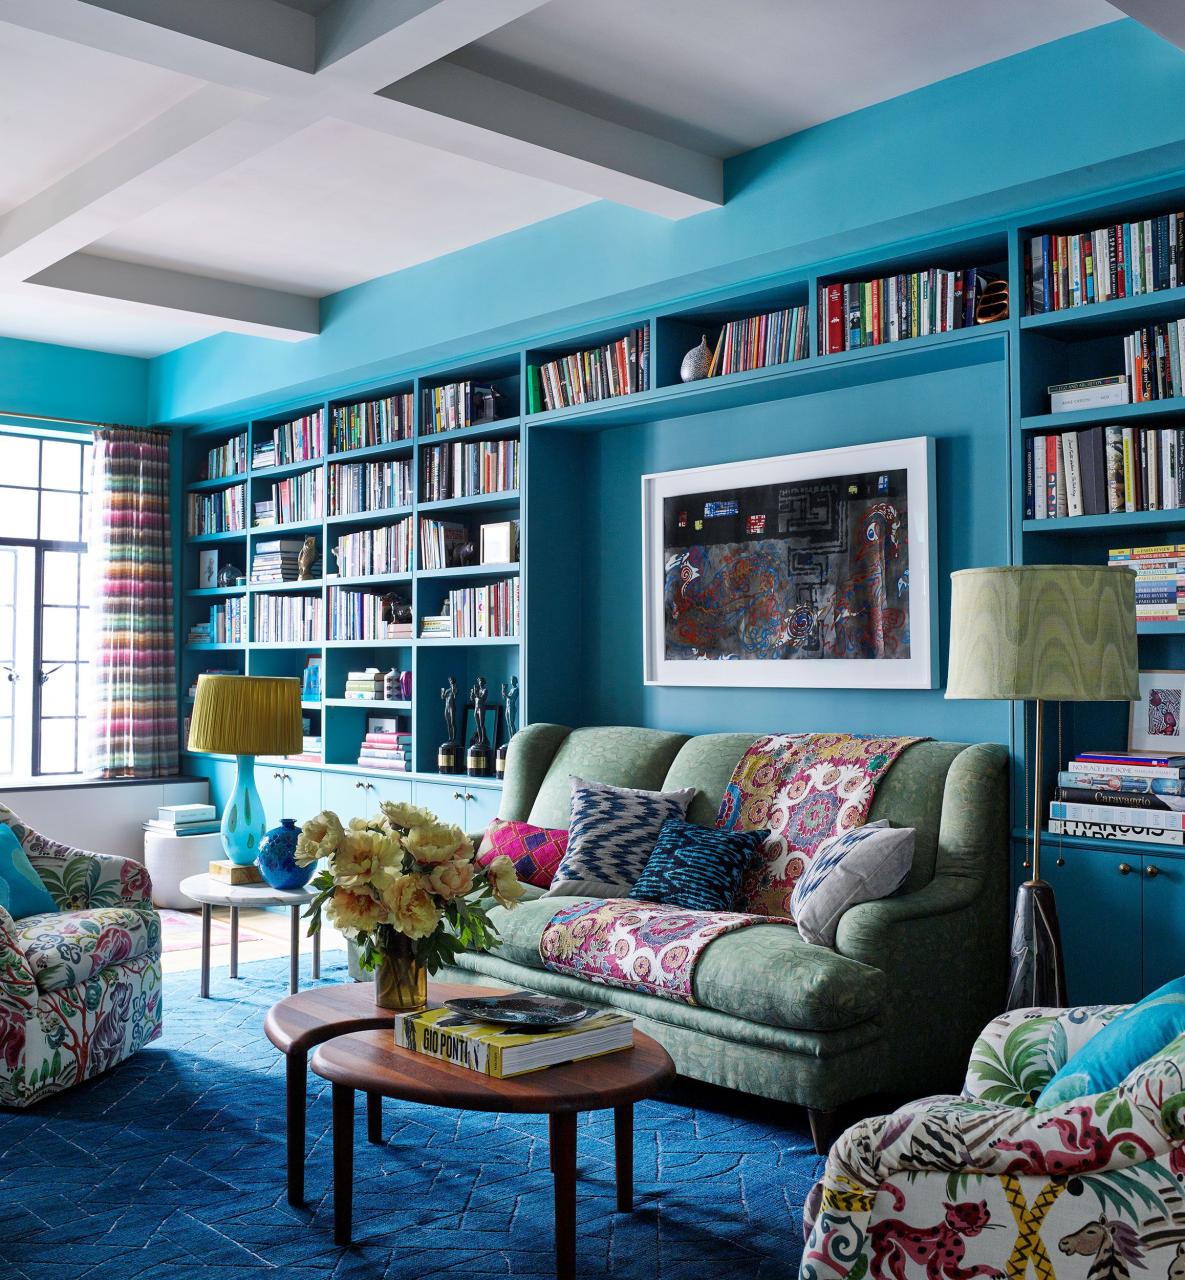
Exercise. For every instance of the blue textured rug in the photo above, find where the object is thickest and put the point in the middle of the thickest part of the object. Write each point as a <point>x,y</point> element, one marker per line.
<point>172,1166</point>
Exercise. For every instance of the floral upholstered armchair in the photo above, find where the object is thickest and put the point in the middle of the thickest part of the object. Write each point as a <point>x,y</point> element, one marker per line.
<point>985,1185</point>
<point>80,988</point>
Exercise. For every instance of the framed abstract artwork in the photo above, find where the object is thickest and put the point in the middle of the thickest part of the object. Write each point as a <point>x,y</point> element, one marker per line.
<point>1154,722</point>
<point>812,570</point>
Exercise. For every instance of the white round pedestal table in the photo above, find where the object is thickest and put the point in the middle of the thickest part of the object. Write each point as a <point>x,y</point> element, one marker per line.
<point>171,859</point>
<point>212,892</point>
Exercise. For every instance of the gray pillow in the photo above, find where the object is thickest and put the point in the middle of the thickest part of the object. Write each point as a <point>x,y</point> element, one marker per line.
<point>611,837</point>
<point>862,865</point>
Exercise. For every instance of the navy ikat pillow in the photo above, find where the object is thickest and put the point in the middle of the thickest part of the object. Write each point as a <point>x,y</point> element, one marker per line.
<point>697,868</point>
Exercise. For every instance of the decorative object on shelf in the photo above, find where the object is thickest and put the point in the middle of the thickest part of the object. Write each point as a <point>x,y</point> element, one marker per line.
<point>310,689</point>
<point>696,362</point>
<point>395,609</point>
<point>460,553</point>
<point>447,755</point>
<point>479,761</point>
<point>391,685</point>
<point>405,686</point>
<point>246,716</point>
<point>1038,633</point>
<point>404,888</point>
<point>1154,723</point>
<point>510,694</point>
<point>722,607</point>
<point>207,569</point>
<point>277,857</point>
<point>306,559</point>
<point>991,304</point>
<point>230,575</point>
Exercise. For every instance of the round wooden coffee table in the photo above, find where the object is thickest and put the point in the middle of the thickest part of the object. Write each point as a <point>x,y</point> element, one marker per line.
<point>370,1061</point>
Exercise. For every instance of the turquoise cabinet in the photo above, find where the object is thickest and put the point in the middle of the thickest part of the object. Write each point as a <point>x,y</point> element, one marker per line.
<point>481,807</point>
<point>346,795</point>
<point>1163,883</point>
<point>445,799</point>
<point>396,789</point>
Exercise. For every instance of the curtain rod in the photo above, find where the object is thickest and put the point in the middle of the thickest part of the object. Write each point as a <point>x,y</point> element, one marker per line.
<point>41,417</point>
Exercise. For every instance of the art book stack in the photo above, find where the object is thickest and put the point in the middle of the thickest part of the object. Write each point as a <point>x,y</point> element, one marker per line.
<point>184,820</point>
<point>386,745</point>
<point>1160,579</point>
<point>372,422</point>
<point>227,624</point>
<point>369,486</point>
<point>365,686</point>
<point>277,560</point>
<point>1121,795</point>
<point>466,470</point>
<point>1103,470</point>
<point>221,512</point>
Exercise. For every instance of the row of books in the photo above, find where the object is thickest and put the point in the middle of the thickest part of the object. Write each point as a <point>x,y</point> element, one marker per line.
<point>227,624</point>
<point>439,540</point>
<point>760,341</point>
<point>368,551</point>
<point>294,499</point>
<point>228,458</point>
<point>278,560</point>
<point>600,373</point>
<point>221,512</point>
<point>460,404</point>
<point>912,305</point>
<point>300,440</point>
<point>287,619</point>
<point>390,750</point>
<point>1103,470</point>
<point>1160,579</point>
<point>478,613</point>
<point>1116,261</point>
<point>358,615</point>
<point>463,470</point>
<point>184,820</point>
<point>369,486</point>
<point>1154,362</point>
<point>370,422</point>
<point>1121,795</point>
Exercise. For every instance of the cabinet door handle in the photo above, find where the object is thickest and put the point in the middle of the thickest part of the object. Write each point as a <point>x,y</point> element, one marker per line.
<point>469,795</point>
<point>458,796</point>
<point>277,776</point>
<point>370,786</point>
<point>1124,869</point>
<point>1152,871</point>
<point>359,786</point>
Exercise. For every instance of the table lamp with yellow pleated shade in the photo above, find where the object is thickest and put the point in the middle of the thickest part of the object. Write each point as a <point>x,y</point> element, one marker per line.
<point>246,716</point>
<point>1042,633</point>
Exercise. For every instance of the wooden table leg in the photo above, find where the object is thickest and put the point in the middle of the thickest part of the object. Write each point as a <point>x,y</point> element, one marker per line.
<point>205,982</point>
<point>623,1147</point>
<point>234,942</point>
<point>374,1118</point>
<point>563,1162</point>
<point>343,1163</point>
<point>316,955</point>
<point>551,1141</point>
<point>296,1079</point>
<point>294,953</point>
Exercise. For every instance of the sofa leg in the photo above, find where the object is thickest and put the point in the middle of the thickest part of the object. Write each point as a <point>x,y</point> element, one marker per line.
<point>825,1128</point>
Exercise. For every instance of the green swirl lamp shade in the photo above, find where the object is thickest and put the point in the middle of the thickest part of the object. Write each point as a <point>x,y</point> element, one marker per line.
<point>246,716</point>
<point>1048,632</point>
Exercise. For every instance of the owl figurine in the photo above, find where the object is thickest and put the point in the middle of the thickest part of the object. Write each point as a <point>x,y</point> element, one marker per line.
<point>306,559</point>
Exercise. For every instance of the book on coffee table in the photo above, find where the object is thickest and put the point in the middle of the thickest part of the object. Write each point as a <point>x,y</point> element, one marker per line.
<point>502,1051</point>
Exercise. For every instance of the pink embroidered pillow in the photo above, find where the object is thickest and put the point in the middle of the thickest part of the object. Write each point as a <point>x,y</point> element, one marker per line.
<point>535,851</point>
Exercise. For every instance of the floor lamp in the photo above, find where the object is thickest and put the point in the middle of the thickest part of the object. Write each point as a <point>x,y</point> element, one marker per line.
<point>1042,633</point>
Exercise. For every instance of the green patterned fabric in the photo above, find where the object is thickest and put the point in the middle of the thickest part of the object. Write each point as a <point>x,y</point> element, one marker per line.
<point>64,948</point>
<point>528,759</point>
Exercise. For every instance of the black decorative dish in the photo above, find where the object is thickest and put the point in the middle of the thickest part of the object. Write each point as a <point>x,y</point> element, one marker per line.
<point>526,1012</point>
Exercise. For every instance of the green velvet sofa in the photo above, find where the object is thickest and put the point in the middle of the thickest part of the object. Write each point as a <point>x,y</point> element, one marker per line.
<point>896,1005</point>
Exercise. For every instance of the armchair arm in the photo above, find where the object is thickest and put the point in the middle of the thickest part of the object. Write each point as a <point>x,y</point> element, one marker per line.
<point>18,996</point>
<point>77,879</point>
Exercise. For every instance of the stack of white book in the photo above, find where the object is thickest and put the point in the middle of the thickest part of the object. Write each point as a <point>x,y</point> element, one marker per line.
<point>184,820</point>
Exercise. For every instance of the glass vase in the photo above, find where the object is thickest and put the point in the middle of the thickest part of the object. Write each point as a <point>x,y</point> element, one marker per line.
<point>400,981</point>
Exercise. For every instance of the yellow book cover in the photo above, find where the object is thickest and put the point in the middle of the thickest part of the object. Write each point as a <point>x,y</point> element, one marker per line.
<point>1129,469</point>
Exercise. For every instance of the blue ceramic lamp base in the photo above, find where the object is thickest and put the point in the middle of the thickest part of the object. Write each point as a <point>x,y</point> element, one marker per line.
<point>243,824</point>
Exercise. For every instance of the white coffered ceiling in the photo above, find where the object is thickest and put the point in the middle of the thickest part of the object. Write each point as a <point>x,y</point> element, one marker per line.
<point>170,169</point>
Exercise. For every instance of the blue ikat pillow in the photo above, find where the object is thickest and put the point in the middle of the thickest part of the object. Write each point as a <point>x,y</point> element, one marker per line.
<point>697,868</point>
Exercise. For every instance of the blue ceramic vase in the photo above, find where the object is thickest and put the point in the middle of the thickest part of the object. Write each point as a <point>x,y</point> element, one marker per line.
<point>277,858</point>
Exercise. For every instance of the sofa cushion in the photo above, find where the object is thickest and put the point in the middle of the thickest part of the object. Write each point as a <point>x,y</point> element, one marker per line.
<point>25,894</point>
<point>535,851</point>
<point>619,756</point>
<point>697,868</point>
<point>67,947</point>
<point>765,974</point>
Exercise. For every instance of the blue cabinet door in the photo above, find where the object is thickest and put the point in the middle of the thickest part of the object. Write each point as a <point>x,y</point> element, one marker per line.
<point>345,794</point>
<point>445,799</point>
<point>1098,894</point>
<point>1163,883</point>
<point>269,780</point>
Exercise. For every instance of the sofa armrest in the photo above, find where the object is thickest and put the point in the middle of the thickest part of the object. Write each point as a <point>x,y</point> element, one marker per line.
<point>18,990</point>
<point>78,880</point>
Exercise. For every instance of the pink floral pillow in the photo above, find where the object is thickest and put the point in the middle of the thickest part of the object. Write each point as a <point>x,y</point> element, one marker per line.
<point>535,851</point>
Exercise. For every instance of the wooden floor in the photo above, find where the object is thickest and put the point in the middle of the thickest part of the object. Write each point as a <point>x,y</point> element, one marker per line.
<point>270,923</point>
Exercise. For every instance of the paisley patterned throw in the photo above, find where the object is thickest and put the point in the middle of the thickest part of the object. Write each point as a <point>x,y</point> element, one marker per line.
<point>637,945</point>
<point>805,787</point>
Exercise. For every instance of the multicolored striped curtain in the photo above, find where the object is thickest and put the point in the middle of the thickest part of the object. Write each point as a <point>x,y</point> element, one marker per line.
<point>134,720</point>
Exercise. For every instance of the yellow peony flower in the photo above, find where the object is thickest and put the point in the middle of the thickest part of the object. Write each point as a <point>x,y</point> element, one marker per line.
<point>451,879</point>
<point>410,905</point>
<point>504,884</point>
<point>434,843</point>
<point>319,837</point>
<point>354,913</point>
<point>366,858</point>
<point>406,815</point>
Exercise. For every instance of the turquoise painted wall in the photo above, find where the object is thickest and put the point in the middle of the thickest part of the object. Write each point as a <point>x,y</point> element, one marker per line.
<point>66,382</point>
<point>1024,132</point>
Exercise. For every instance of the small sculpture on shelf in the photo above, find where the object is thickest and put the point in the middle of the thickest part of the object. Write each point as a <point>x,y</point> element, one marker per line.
<point>697,362</point>
<point>510,719</point>
<point>479,757</point>
<point>391,685</point>
<point>306,559</point>
<point>230,575</point>
<point>395,608</point>
<point>446,755</point>
<point>460,554</point>
<point>405,686</point>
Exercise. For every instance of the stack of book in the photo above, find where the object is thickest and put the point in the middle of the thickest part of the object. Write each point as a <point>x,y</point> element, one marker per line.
<point>221,512</point>
<point>358,615</point>
<point>439,625</point>
<point>1103,470</point>
<point>287,619</point>
<point>386,751</point>
<point>1089,393</point>
<point>1152,360</point>
<point>227,624</point>
<point>311,748</point>
<point>465,470</point>
<point>263,455</point>
<point>276,560</point>
<point>439,540</point>
<point>365,686</point>
<point>298,498</point>
<point>479,613</point>
<point>871,312</point>
<point>369,486</point>
<point>1160,579</point>
<point>228,459</point>
<point>184,820</point>
<point>1121,795</point>
<point>501,1051</point>
<point>210,671</point>
<point>298,440</point>
<point>459,404</point>
<point>375,551</point>
<point>372,422</point>
<point>760,341</point>
<point>1116,261</point>
<point>615,369</point>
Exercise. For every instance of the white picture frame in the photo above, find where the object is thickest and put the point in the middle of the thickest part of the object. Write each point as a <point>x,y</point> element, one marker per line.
<point>1143,715</point>
<point>208,568</point>
<point>916,670</point>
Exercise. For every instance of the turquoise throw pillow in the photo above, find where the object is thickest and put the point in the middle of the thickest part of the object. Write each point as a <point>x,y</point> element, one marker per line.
<point>26,894</point>
<point>1115,1052</point>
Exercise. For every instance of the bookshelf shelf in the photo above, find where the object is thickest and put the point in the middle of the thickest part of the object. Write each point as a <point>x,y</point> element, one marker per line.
<point>369,580</point>
<point>499,428</point>
<point>1176,628</point>
<point>393,449</point>
<point>285,530</point>
<point>491,501</point>
<point>214,593</point>
<point>1050,841</point>
<point>441,642</point>
<point>473,571</point>
<point>211,646</point>
<point>269,587</point>
<point>1118,520</point>
<point>1101,318</point>
<point>1146,411</point>
<point>394,643</point>
<point>362,518</point>
<point>207,539</point>
<point>369,704</point>
<point>219,482</point>
<point>280,470</point>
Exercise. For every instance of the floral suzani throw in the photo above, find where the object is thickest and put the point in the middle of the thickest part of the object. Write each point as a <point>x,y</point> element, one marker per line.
<point>805,788</point>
